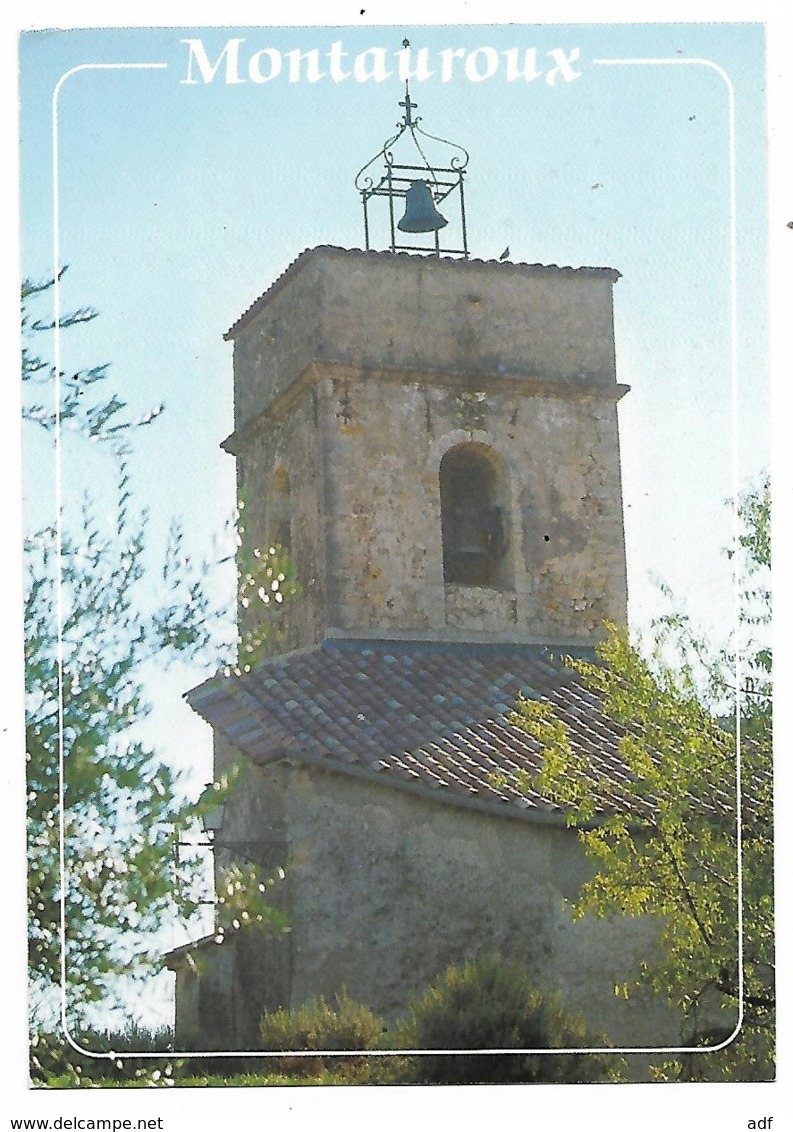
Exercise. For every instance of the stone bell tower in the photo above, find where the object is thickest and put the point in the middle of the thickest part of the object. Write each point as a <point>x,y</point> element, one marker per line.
<point>436,441</point>
<point>434,438</point>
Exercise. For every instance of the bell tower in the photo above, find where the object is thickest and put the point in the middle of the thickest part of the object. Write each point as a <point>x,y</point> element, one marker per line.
<point>434,438</point>
<point>436,442</point>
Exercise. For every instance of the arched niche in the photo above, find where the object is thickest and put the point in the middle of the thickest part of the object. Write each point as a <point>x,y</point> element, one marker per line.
<point>474,494</point>
<point>279,510</point>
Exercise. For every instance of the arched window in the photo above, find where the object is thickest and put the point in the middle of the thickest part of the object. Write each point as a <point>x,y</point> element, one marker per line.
<point>473,519</point>
<point>279,514</point>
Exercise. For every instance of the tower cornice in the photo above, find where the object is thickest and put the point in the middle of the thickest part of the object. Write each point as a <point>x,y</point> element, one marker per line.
<point>576,386</point>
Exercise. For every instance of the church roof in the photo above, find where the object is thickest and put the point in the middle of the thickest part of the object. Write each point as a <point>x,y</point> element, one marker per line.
<point>432,717</point>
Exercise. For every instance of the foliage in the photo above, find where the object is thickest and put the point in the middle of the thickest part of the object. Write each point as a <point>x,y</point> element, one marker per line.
<point>488,1003</point>
<point>669,842</point>
<point>113,1062</point>
<point>318,1026</point>
<point>109,1063</point>
<point>101,618</point>
<point>84,406</point>
<point>85,695</point>
<point>266,581</point>
<point>242,902</point>
<point>493,1004</point>
<point>754,652</point>
<point>242,1079</point>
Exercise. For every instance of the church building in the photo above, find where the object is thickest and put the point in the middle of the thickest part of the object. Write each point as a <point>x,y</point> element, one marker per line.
<point>434,441</point>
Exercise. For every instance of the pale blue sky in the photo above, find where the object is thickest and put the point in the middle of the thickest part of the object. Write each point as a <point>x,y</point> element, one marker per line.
<point>179,204</point>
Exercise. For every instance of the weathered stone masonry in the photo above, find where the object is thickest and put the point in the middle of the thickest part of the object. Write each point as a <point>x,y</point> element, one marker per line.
<point>357,371</point>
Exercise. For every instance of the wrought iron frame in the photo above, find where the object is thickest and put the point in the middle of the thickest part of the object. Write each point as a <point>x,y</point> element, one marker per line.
<point>397,179</point>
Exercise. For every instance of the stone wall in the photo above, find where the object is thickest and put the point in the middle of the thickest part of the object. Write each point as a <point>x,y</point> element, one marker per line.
<point>386,887</point>
<point>420,312</point>
<point>565,548</point>
<point>358,372</point>
<point>293,442</point>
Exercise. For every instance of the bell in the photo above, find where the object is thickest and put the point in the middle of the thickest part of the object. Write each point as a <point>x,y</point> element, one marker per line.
<point>421,215</point>
<point>471,550</point>
<point>466,535</point>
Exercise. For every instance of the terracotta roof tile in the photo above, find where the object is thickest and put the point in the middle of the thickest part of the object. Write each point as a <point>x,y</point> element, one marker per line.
<point>435,715</point>
<point>427,716</point>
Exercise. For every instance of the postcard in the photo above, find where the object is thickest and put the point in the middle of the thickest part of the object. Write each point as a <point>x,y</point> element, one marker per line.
<point>396,463</point>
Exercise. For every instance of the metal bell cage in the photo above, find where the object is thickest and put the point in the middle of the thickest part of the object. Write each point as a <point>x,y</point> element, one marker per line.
<point>422,187</point>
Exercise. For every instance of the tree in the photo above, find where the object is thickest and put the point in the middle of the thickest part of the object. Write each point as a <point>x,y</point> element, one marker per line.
<point>674,844</point>
<point>102,868</point>
<point>105,810</point>
<point>120,800</point>
<point>83,405</point>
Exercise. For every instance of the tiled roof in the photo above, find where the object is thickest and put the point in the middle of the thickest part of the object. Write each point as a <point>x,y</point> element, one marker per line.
<point>431,260</point>
<point>420,715</point>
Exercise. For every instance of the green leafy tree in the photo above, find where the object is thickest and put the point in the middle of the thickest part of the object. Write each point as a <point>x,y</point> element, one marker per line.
<point>120,799</point>
<point>698,801</point>
<point>105,869</point>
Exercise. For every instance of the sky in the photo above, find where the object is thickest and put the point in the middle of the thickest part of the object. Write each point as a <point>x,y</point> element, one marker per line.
<point>179,203</point>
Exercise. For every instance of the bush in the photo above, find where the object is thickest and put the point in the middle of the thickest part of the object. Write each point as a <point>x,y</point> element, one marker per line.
<point>320,1026</point>
<point>491,1003</point>
<point>54,1063</point>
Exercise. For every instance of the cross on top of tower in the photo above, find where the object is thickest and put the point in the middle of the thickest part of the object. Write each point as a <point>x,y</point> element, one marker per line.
<point>408,105</point>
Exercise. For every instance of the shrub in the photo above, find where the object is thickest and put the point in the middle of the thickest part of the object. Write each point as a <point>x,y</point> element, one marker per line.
<point>320,1026</point>
<point>54,1063</point>
<point>491,1003</point>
